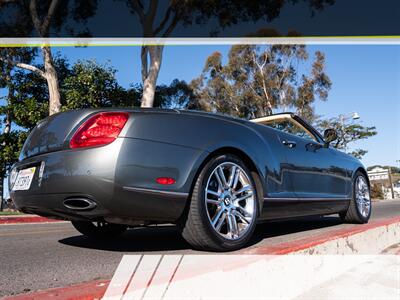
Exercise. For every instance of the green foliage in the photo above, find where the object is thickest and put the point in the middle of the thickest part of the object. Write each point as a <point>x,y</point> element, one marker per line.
<point>257,80</point>
<point>348,133</point>
<point>91,85</point>
<point>10,146</point>
<point>177,95</point>
<point>27,99</point>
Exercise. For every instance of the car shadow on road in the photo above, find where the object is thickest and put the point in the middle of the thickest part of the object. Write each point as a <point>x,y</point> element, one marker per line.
<point>168,238</point>
<point>154,238</point>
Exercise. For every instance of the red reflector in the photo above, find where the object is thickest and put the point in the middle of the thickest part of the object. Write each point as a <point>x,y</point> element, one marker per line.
<point>165,180</point>
<point>99,130</point>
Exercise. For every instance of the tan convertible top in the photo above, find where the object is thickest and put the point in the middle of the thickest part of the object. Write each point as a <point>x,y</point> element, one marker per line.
<point>283,116</point>
<point>272,118</point>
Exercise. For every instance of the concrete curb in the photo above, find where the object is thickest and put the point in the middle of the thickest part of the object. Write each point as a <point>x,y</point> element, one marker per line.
<point>16,219</point>
<point>353,240</point>
<point>360,239</point>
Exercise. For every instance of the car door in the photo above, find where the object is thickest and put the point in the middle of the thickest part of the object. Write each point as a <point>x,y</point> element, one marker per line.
<point>315,171</point>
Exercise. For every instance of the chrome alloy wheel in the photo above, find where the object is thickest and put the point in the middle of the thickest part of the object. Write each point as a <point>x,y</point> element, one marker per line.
<point>362,195</point>
<point>230,200</point>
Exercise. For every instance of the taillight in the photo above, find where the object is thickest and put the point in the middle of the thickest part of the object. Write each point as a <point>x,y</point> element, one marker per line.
<point>99,130</point>
<point>165,180</point>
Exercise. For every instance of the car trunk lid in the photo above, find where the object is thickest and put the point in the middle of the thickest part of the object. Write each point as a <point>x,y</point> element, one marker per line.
<point>52,133</point>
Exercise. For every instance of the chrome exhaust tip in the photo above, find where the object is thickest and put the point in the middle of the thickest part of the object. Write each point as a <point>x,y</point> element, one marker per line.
<point>79,203</point>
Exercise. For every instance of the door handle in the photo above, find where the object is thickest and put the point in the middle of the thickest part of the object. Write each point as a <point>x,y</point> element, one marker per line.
<point>290,144</point>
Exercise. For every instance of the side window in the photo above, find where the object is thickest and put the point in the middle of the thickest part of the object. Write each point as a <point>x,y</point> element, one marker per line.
<point>290,127</point>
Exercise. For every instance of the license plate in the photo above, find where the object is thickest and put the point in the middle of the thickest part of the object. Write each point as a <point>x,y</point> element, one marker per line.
<point>24,179</point>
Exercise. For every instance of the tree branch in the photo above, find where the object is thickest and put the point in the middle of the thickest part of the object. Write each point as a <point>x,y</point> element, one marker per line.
<point>152,11</point>
<point>50,13</point>
<point>25,67</point>
<point>138,8</point>
<point>260,67</point>
<point>35,16</point>
<point>164,21</point>
<point>172,26</point>
<point>42,27</point>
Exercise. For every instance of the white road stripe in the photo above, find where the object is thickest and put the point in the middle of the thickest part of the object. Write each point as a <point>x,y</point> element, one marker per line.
<point>142,277</point>
<point>163,277</point>
<point>259,276</point>
<point>122,277</point>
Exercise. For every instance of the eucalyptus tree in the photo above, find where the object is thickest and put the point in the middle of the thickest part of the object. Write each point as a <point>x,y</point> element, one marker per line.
<point>348,131</point>
<point>258,80</point>
<point>161,18</point>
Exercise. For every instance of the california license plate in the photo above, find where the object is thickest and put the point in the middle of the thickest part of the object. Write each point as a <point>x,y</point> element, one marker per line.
<point>24,179</point>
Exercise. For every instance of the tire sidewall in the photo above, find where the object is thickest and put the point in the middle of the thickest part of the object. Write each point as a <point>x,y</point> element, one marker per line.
<point>226,244</point>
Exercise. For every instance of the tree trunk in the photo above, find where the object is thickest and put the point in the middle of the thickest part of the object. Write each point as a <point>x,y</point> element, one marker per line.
<point>150,74</point>
<point>7,121</point>
<point>52,81</point>
<point>1,194</point>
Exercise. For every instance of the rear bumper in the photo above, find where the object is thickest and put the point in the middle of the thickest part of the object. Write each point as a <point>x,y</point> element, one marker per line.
<point>119,178</point>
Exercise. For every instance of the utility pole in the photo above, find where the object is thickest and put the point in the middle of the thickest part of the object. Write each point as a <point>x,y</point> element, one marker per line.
<point>391,181</point>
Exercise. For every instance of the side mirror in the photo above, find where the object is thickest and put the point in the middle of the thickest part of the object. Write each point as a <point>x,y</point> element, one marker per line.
<point>330,135</point>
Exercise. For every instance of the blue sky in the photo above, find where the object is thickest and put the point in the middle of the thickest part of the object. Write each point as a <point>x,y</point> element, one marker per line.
<point>366,79</point>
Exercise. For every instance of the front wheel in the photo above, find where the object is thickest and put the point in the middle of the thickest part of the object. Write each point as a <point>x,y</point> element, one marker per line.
<point>99,230</point>
<point>359,210</point>
<point>224,206</point>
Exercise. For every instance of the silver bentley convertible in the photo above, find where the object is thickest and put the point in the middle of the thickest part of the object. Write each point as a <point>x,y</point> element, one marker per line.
<point>213,176</point>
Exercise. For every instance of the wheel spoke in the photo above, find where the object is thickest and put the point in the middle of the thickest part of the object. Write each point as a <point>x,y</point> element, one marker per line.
<point>241,217</point>
<point>232,176</point>
<point>242,211</point>
<point>212,201</point>
<point>244,197</point>
<point>232,226</point>
<point>243,189</point>
<point>218,215</point>
<point>220,222</point>
<point>219,174</point>
<point>212,193</point>
<point>222,177</point>
<point>236,179</point>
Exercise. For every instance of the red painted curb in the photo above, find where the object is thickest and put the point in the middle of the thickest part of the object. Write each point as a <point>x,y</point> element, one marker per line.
<point>305,243</point>
<point>25,219</point>
<point>84,291</point>
<point>96,289</point>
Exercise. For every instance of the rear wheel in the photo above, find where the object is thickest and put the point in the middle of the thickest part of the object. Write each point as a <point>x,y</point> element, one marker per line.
<point>224,206</point>
<point>99,230</point>
<point>359,210</point>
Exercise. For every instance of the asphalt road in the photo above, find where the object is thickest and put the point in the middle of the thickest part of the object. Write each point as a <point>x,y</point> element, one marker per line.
<point>41,256</point>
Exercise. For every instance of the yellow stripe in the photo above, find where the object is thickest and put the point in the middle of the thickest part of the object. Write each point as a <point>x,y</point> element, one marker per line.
<point>94,44</point>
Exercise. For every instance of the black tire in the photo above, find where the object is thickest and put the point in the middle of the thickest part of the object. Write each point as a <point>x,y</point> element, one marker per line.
<point>196,227</point>
<point>99,230</point>
<point>353,213</point>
